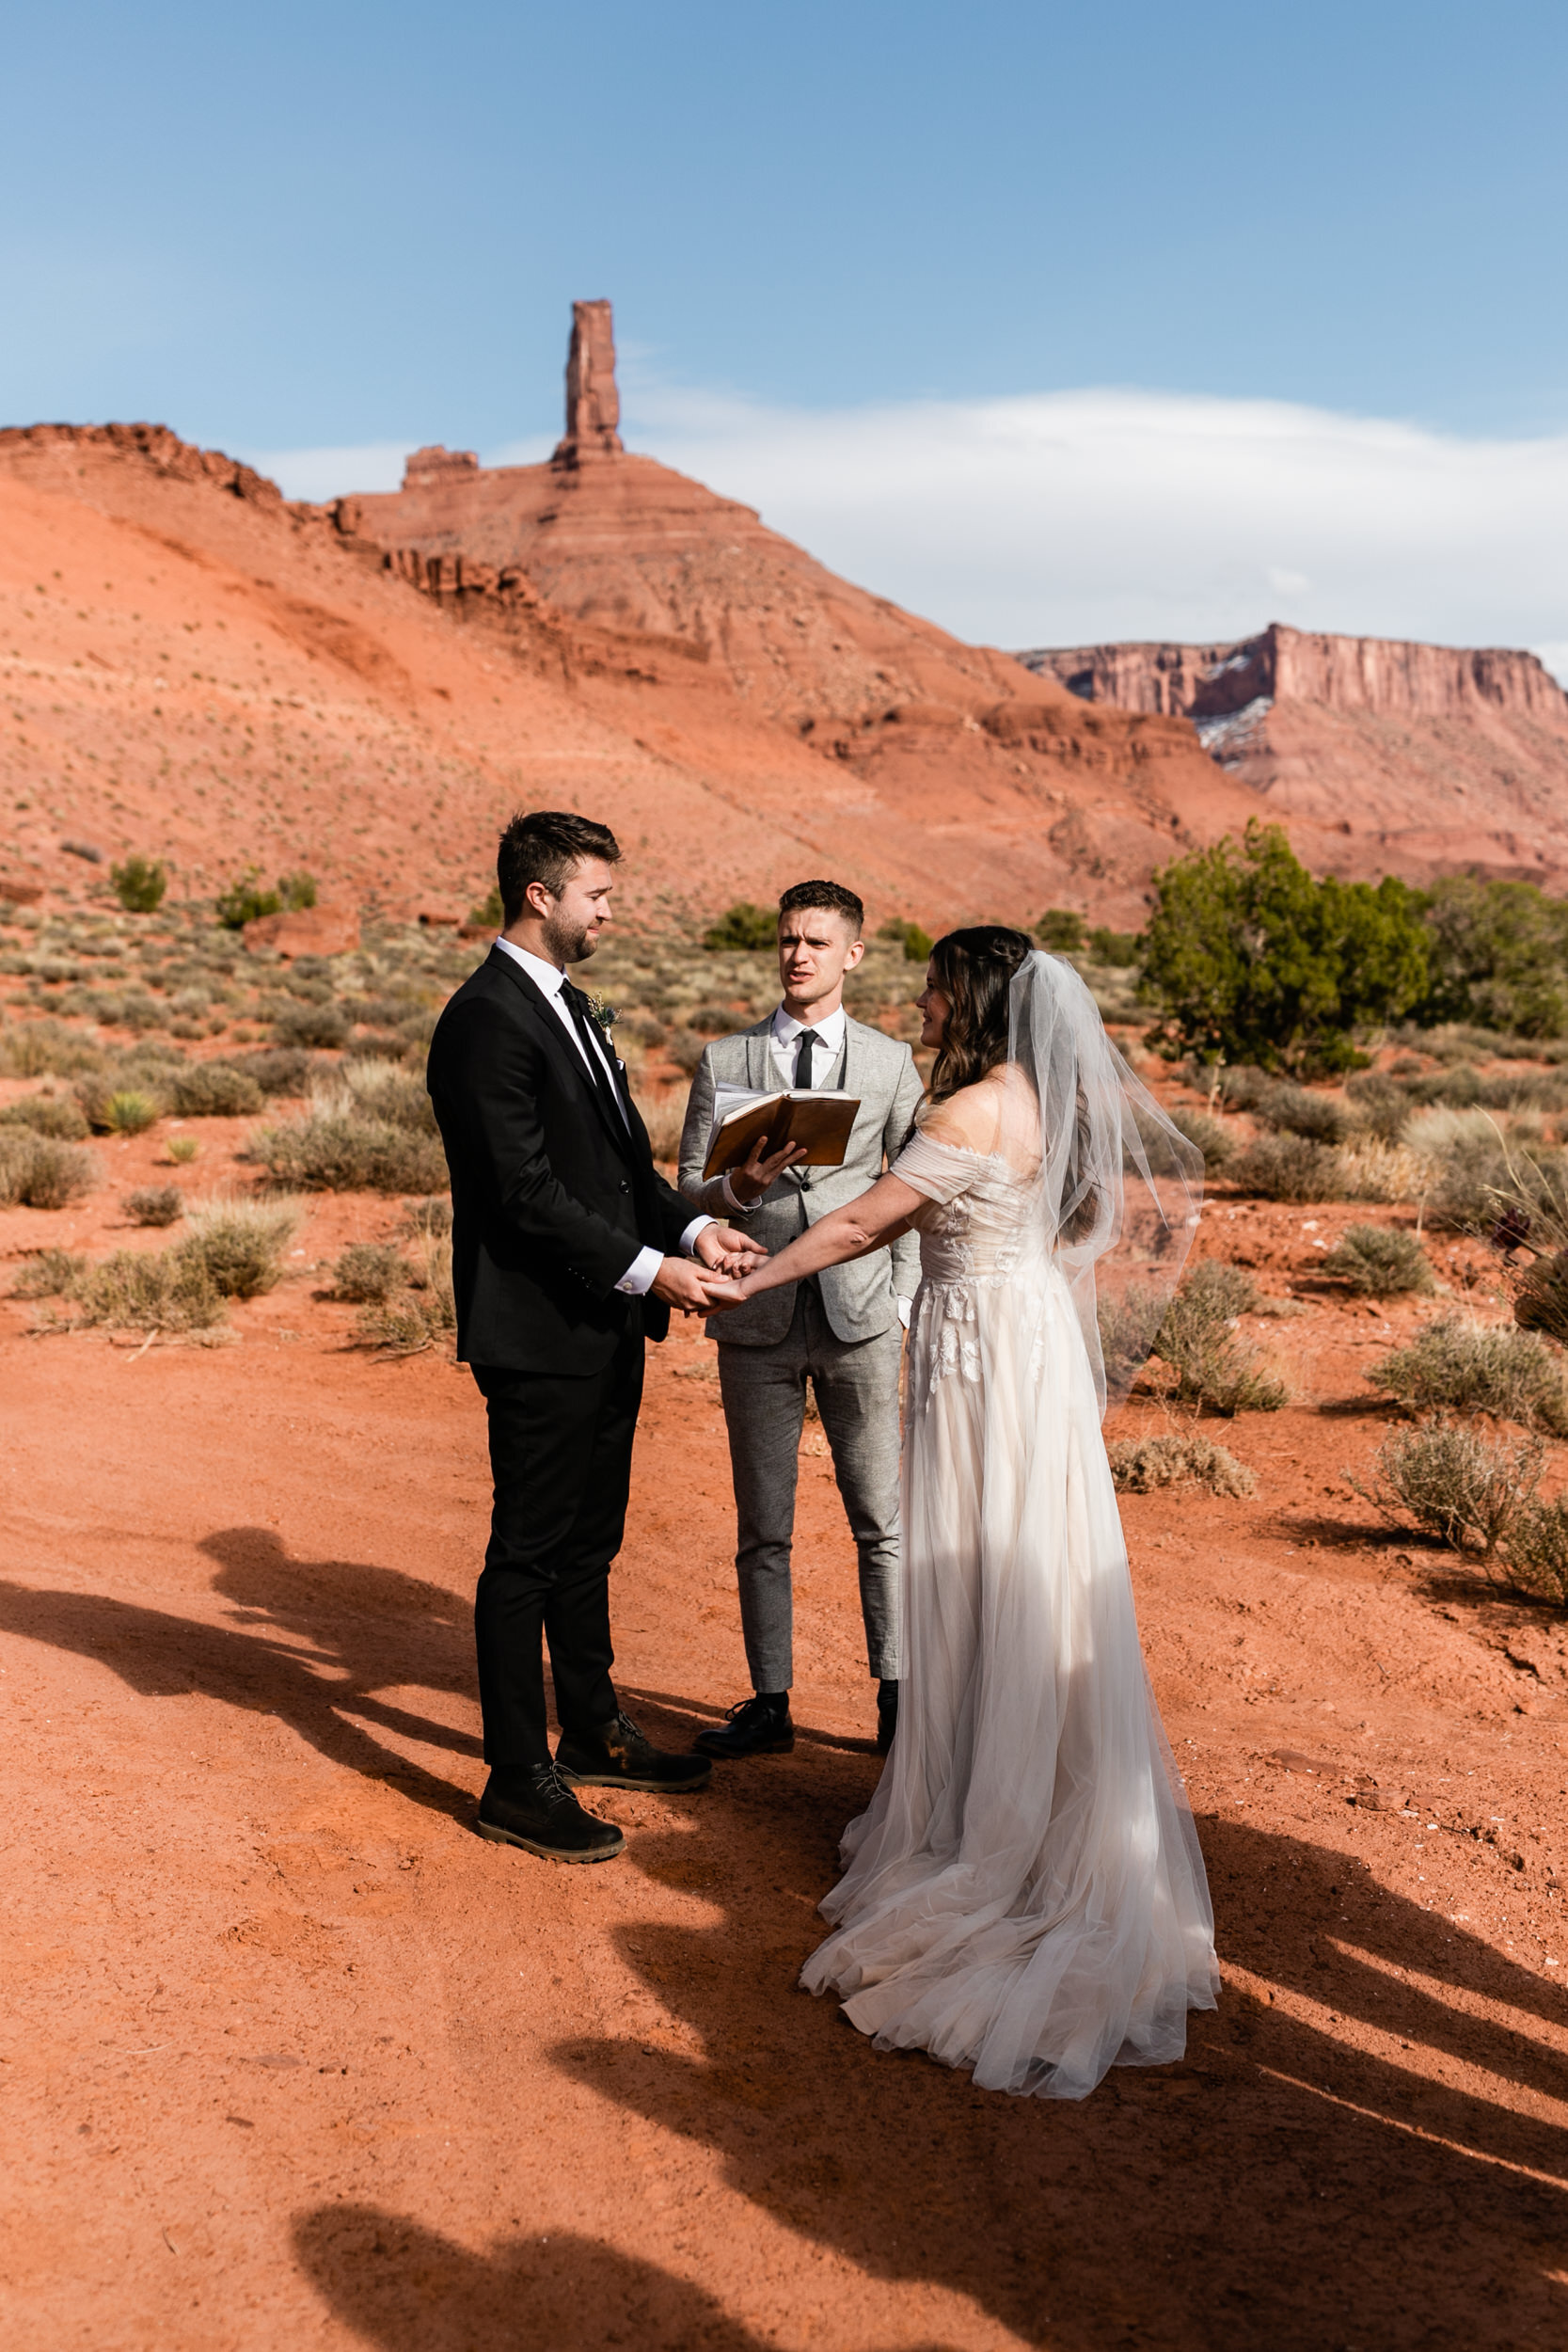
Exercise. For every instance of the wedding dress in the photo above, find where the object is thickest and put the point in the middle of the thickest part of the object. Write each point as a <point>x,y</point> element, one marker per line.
<point>1024,1895</point>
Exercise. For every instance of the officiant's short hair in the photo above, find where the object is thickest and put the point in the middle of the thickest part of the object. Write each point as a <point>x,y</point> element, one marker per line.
<point>830,896</point>
<point>547,846</point>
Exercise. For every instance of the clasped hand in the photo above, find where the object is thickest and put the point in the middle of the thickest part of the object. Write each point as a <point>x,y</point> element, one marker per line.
<point>701,1285</point>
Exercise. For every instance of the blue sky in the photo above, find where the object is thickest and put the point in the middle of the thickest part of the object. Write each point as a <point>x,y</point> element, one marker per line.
<point>355,228</point>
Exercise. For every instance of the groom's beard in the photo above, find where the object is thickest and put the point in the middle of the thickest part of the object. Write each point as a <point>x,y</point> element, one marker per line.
<point>569,943</point>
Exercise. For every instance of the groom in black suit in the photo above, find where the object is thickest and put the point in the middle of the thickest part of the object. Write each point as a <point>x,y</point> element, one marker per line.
<point>568,1250</point>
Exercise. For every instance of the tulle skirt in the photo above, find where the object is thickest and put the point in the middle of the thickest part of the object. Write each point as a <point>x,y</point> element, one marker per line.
<point>1024,1895</point>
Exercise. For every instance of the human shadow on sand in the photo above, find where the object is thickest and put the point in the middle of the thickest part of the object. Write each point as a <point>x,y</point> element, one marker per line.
<point>1283,2188</point>
<point>404,2288</point>
<point>311,1642</point>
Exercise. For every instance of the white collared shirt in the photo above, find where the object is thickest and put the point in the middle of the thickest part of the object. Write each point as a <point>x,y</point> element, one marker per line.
<point>784,1041</point>
<point>551,983</point>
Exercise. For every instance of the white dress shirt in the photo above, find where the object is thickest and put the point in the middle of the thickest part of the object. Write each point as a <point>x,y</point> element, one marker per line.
<point>550,982</point>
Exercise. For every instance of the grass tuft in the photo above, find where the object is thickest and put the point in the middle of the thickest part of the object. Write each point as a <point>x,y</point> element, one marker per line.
<point>1379,1262</point>
<point>1457,1366</point>
<point>239,1245</point>
<point>38,1172</point>
<point>367,1272</point>
<point>155,1204</point>
<point>1184,1458</point>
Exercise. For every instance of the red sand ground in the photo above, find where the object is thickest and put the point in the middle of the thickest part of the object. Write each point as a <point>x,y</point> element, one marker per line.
<point>291,2057</point>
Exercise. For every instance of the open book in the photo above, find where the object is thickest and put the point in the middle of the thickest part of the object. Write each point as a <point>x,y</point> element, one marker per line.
<point>821,1119</point>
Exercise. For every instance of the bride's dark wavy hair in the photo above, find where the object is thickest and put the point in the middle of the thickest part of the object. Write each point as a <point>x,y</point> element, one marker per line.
<point>973,969</point>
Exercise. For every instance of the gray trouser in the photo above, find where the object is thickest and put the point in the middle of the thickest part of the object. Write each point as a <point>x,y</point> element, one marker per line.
<point>764,1391</point>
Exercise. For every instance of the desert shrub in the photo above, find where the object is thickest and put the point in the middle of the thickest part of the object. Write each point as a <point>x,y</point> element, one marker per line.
<point>1379,1260</point>
<point>367,1271</point>
<point>244,901</point>
<point>1376,1106</point>
<point>57,1115</point>
<point>1297,1111</point>
<point>427,1221</point>
<point>745,925</point>
<point>684,1047</point>
<point>303,1024</point>
<point>47,1048</point>
<point>340,1150</point>
<point>214,1089</point>
<point>1180,1459</point>
<point>1241,1089</point>
<point>1456,1089</point>
<point>1287,1168</point>
<point>404,1321</point>
<point>1197,1342</point>
<point>1524,1090</point>
<point>155,1204</point>
<point>1454,1483</point>
<point>1129,1325</point>
<point>1118,948</point>
<point>1532,1552</point>
<point>140,885</point>
<point>181,1149</point>
<point>1372,1170</point>
<point>713,1020</point>
<point>399,1097</point>
<point>1455,1365</point>
<point>489,914</point>
<point>663,1116</point>
<point>297,891</point>
<point>1498,956</point>
<point>900,932</point>
<point>375,1045</point>
<point>38,1172</point>
<point>1252,960</point>
<point>1476,1174</point>
<point>162,1289</point>
<point>1541,1298</point>
<point>239,1245</point>
<point>47,1274</point>
<point>278,1069</point>
<point>1212,1136</point>
<point>1060,931</point>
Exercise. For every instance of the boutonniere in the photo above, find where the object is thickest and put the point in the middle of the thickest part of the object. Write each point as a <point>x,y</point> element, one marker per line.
<point>603,1014</point>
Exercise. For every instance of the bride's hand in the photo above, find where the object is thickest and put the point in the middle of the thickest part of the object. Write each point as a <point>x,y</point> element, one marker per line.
<point>724,1292</point>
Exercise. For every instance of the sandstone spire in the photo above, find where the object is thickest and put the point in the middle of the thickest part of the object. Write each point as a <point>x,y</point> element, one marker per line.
<point>593,403</point>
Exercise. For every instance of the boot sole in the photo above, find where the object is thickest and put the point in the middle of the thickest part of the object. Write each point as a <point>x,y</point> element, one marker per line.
<point>498,1836</point>
<point>625,1780</point>
<point>764,1747</point>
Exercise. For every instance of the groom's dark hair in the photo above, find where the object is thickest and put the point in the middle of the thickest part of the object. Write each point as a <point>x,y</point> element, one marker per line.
<point>547,846</point>
<point>832,897</point>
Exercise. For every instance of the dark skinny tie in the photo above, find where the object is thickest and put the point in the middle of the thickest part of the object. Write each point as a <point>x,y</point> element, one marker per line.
<point>578,1006</point>
<point>805,1045</point>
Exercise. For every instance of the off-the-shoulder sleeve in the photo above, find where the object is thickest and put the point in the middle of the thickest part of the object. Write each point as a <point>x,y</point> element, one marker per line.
<point>936,1169</point>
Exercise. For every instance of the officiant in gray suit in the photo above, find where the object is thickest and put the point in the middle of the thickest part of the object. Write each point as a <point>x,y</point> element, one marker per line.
<point>842,1329</point>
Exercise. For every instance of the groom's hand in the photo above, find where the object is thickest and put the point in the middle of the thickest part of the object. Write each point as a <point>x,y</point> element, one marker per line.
<point>726,1251</point>
<point>682,1283</point>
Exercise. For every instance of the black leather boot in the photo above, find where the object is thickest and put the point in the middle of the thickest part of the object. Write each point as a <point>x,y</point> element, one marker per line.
<point>887,1715</point>
<point>541,1815</point>
<point>616,1756</point>
<point>759,1726</point>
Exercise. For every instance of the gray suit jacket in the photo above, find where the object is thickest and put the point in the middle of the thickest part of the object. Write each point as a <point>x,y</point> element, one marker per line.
<point>861,1299</point>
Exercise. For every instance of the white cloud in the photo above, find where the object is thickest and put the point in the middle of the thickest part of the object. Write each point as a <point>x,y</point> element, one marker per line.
<point>1074,517</point>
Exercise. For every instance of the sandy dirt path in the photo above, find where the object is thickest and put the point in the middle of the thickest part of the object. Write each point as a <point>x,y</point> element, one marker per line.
<point>290,2057</point>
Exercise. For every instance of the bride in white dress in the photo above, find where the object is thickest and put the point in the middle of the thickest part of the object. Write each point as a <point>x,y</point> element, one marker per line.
<point>1025,1894</point>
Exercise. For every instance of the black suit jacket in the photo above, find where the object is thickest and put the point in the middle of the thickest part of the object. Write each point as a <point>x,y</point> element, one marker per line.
<point>552,1195</point>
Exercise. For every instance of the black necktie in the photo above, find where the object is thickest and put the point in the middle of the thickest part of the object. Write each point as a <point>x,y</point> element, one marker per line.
<point>805,1045</point>
<point>577,1004</point>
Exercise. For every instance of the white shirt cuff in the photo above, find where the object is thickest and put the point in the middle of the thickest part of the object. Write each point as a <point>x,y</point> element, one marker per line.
<point>639,1276</point>
<point>741,1208</point>
<point>904,1307</point>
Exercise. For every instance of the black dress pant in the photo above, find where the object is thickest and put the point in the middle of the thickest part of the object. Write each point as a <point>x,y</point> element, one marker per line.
<point>560,1461</point>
